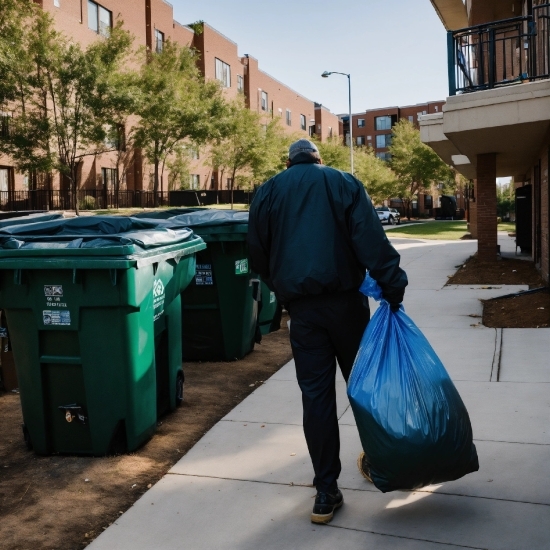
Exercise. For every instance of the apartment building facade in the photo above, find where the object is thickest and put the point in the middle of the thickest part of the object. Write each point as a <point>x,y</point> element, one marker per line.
<point>496,120</point>
<point>152,23</point>
<point>372,128</point>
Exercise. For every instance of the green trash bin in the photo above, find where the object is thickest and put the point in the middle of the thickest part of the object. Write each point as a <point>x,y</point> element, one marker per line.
<point>86,301</point>
<point>269,317</point>
<point>220,306</point>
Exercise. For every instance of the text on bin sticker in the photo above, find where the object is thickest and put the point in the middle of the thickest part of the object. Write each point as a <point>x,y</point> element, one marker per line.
<point>53,290</point>
<point>56,317</point>
<point>203,275</point>
<point>158,298</point>
<point>241,267</point>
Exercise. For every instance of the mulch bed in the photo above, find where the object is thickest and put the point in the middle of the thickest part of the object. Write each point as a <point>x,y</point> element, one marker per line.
<point>505,271</point>
<point>64,502</point>
<point>526,311</point>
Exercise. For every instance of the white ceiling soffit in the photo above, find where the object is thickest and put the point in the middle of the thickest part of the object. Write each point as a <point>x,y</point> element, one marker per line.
<point>460,159</point>
<point>452,13</point>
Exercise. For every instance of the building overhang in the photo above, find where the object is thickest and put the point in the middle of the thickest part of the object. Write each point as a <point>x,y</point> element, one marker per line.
<point>452,13</point>
<point>511,122</point>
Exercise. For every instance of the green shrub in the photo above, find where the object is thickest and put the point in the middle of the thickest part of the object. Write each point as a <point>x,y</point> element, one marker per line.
<point>87,203</point>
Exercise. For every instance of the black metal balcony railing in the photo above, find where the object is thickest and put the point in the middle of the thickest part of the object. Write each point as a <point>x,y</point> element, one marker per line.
<point>500,53</point>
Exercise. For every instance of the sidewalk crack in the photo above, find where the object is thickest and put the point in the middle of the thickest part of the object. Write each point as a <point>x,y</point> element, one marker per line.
<point>497,356</point>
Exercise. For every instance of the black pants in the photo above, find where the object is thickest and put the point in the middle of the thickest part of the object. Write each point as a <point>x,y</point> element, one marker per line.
<point>324,329</point>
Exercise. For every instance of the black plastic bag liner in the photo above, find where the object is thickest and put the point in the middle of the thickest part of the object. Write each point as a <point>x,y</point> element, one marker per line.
<point>31,218</point>
<point>166,213</point>
<point>91,232</point>
<point>413,425</point>
<point>203,218</point>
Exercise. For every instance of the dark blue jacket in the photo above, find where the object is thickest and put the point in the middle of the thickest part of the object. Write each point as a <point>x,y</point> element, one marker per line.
<point>313,230</point>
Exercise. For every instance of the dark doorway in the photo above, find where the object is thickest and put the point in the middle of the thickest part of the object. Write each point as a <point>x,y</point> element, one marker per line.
<point>524,218</point>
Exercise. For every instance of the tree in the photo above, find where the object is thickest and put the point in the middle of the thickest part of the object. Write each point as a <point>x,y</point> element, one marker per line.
<point>334,153</point>
<point>505,199</point>
<point>376,175</point>
<point>416,165</point>
<point>60,113</point>
<point>251,151</point>
<point>175,104</point>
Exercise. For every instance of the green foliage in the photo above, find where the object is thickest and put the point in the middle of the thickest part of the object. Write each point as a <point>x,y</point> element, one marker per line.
<point>505,200</point>
<point>175,105</point>
<point>63,106</point>
<point>448,231</point>
<point>376,175</point>
<point>251,151</point>
<point>178,165</point>
<point>334,153</point>
<point>416,165</point>
<point>197,26</point>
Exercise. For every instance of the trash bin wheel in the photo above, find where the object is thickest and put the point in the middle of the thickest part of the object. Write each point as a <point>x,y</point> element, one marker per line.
<point>27,438</point>
<point>179,388</point>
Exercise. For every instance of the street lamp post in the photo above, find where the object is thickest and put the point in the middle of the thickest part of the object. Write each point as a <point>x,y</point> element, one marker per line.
<point>326,74</point>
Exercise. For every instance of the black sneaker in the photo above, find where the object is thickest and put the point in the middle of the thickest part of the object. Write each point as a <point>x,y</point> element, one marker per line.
<point>364,467</point>
<point>324,507</point>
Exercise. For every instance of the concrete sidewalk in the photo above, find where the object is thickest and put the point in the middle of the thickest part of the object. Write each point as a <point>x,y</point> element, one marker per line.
<point>247,483</point>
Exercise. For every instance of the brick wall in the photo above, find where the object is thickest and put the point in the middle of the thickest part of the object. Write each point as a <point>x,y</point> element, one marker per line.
<point>486,201</point>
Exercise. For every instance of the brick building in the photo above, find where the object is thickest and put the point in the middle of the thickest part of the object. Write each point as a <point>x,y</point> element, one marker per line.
<point>373,128</point>
<point>151,22</point>
<point>496,120</point>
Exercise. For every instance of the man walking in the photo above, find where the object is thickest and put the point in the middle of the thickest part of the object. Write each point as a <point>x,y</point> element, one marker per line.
<point>313,232</point>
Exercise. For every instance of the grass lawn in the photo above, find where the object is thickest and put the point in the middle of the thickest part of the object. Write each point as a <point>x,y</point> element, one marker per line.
<point>509,227</point>
<point>442,230</point>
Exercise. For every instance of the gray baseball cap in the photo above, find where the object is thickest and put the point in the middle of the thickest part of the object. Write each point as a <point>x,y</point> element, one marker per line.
<point>302,146</point>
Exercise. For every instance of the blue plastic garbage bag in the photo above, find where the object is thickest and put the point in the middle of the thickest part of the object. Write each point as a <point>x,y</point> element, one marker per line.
<point>413,425</point>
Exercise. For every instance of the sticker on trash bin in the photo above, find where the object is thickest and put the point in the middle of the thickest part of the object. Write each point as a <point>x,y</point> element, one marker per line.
<point>272,298</point>
<point>158,298</point>
<point>203,275</point>
<point>53,290</point>
<point>56,318</point>
<point>241,267</point>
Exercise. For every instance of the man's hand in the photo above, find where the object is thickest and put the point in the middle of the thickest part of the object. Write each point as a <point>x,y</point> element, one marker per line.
<point>394,298</point>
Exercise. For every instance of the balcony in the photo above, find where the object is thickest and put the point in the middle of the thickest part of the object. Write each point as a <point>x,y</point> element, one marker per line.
<point>501,53</point>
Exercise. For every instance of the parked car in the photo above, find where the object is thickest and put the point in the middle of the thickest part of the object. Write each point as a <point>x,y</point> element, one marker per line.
<point>387,215</point>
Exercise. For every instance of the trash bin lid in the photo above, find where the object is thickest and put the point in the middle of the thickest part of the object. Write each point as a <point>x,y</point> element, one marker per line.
<point>31,218</point>
<point>90,242</point>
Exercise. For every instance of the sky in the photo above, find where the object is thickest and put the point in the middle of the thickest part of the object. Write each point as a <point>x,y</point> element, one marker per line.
<point>395,50</point>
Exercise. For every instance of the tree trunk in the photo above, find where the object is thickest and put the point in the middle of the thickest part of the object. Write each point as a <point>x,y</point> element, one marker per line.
<point>232,186</point>
<point>156,183</point>
<point>74,187</point>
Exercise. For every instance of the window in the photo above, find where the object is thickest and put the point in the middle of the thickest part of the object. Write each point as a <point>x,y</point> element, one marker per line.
<point>330,131</point>
<point>361,123</point>
<point>411,118</point>
<point>383,141</point>
<point>109,177</point>
<point>436,108</point>
<point>223,73</point>
<point>384,156</point>
<point>263,101</point>
<point>57,3</point>
<point>4,180</point>
<point>194,153</point>
<point>240,83</point>
<point>194,181</point>
<point>383,122</point>
<point>159,41</point>
<point>303,122</point>
<point>360,140</point>
<point>4,124</point>
<point>100,20</point>
<point>229,183</point>
<point>428,201</point>
<point>288,117</point>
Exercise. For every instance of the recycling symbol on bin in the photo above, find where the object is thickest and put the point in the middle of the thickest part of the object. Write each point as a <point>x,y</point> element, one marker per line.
<point>158,288</point>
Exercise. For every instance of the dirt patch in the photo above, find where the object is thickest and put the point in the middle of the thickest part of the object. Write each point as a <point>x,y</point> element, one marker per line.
<point>525,311</point>
<point>505,271</point>
<point>64,502</point>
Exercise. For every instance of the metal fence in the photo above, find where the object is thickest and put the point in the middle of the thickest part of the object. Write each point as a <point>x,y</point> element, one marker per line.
<point>98,199</point>
<point>88,199</point>
<point>500,53</point>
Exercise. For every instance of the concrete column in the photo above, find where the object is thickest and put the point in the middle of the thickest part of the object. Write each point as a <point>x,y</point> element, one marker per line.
<point>486,203</point>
